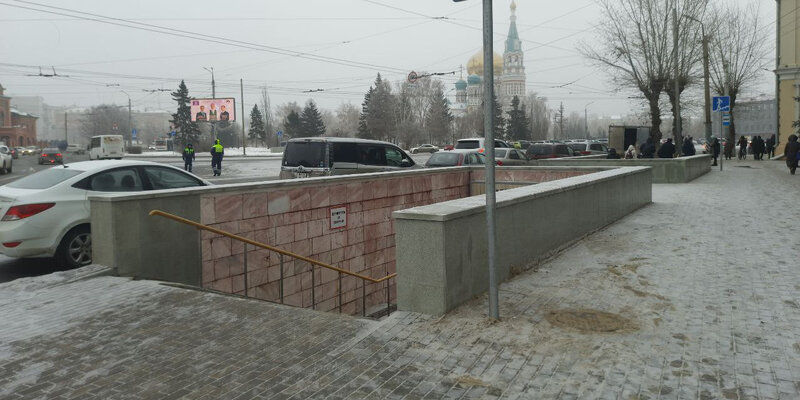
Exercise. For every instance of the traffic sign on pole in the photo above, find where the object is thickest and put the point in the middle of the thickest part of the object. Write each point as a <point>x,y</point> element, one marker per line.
<point>721,103</point>
<point>412,77</point>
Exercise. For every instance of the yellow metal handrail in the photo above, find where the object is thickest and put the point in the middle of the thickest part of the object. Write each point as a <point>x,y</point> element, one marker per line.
<point>287,253</point>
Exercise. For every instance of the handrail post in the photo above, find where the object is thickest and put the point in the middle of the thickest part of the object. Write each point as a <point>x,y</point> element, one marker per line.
<point>280,256</point>
<point>363,298</point>
<point>313,283</point>
<point>387,297</point>
<point>245,270</point>
<point>340,292</point>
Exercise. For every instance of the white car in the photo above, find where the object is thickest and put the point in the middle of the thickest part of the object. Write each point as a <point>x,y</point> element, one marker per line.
<point>6,159</point>
<point>425,148</point>
<point>46,214</point>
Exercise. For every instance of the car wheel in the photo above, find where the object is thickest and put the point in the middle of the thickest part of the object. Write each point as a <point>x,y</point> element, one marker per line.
<point>75,249</point>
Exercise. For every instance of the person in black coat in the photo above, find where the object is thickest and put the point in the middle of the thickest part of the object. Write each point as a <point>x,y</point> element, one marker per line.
<point>790,152</point>
<point>715,150</point>
<point>688,146</point>
<point>612,154</point>
<point>771,146</point>
<point>647,149</point>
<point>667,149</point>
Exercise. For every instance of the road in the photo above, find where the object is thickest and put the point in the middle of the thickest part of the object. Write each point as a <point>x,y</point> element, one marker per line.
<point>236,169</point>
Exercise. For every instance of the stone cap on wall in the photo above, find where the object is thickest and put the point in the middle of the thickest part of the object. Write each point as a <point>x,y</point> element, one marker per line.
<point>459,208</point>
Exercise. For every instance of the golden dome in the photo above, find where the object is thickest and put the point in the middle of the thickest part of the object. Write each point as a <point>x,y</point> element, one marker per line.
<point>475,64</point>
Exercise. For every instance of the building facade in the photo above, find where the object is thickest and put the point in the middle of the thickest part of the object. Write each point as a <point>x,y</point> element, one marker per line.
<point>754,116</point>
<point>787,70</point>
<point>17,128</point>
<point>509,75</point>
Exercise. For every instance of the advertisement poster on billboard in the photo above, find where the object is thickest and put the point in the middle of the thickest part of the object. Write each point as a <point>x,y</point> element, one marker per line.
<point>213,110</point>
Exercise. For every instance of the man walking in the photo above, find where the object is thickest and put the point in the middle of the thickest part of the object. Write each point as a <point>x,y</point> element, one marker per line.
<point>188,157</point>
<point>217,152</point>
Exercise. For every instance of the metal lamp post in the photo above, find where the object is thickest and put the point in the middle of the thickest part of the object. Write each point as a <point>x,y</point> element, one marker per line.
<point>488,134</point>
<point>130,119</point>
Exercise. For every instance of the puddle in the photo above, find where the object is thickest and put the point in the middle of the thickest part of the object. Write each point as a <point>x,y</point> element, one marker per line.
<point>586,320</point>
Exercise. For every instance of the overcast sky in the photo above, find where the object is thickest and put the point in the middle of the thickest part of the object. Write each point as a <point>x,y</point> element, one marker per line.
<point>290,47</point>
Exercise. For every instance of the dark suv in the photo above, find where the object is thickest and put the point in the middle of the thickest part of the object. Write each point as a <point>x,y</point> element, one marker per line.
<point>548,150</point>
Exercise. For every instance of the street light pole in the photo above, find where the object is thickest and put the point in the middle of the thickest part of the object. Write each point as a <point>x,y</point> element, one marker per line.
<point>130,123</point>
<point>488,134</point>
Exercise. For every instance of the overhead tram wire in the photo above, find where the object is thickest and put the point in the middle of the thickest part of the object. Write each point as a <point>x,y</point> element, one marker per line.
<point>196,36</point>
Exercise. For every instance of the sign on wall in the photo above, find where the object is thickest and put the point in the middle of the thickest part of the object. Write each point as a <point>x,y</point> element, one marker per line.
<point>338,217</point>
<point>213,110</point>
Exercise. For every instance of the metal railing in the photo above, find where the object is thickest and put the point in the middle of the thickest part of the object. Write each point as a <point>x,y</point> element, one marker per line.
<point>281,253</point>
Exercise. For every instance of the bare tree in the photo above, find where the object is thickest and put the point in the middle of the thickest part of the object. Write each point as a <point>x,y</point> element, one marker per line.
<point>346,121</point>
<point>539,116</point>
<point>105,119</point>
<point>633,46</point>
<point>738,50</point>
<point>266,115</point>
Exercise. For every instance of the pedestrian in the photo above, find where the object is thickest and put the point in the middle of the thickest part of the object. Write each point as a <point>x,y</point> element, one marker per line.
<point>647,149</point>
<point>771,146</point>
<point>714,150</point>
<point>728,147</point>
<point>667,149</point>
<point>791,152</point>
<point>217,151</point>
<point>742,147</point>
<point>612,154</point>
<point>761,147</point>
<point>188,157</point>
<point>630,153</point>
<point>688,146</point>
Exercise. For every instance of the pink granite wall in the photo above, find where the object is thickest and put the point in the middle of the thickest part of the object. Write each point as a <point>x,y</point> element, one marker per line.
<point>295,216</point>
<point>296,219</point>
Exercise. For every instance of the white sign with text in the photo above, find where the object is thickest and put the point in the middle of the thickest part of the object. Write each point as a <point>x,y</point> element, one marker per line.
<point>338,217</point>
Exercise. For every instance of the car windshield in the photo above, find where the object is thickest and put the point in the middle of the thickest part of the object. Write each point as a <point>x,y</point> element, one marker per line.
<point>306,154</point>
<point>540,150</point>
<point>467,144</point>
<point>443,160</point>
<point>44,179</point>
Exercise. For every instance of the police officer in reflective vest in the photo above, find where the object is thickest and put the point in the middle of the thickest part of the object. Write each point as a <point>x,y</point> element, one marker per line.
<point>216,158</point>
<point>188,157</point>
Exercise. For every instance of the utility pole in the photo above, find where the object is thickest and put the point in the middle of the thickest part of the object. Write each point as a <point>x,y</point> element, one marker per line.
<point>586,119</point>
<point>488,125</point>
<point>213,96</point>
<point>678,135</point>
<point>66,137</point>
<point>244,138</point>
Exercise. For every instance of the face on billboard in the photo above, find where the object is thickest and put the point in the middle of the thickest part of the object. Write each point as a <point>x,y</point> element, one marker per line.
<point>211,110</point>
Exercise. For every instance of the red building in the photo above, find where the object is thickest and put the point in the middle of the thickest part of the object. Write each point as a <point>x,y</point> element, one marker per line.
<point>16,128</point>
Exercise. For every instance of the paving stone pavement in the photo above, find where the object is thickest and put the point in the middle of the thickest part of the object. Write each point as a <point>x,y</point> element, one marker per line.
<point>701,286</point>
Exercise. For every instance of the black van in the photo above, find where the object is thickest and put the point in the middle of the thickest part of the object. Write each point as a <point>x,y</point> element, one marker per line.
<point>321,156</point>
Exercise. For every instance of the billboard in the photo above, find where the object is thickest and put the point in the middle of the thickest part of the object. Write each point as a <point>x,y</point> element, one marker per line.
<point>213,110</point>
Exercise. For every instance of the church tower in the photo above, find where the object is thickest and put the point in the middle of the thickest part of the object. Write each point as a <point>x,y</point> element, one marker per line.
<point>512,81</point>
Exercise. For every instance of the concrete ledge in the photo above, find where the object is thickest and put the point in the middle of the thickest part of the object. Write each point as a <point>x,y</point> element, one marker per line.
<point>665,170</point>
<point>441,248</point>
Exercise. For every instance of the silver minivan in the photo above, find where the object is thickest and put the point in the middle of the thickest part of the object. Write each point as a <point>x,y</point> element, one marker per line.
<point>321,156</point>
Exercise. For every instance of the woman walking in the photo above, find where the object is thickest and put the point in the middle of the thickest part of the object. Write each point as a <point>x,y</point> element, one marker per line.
<point>790,152</point>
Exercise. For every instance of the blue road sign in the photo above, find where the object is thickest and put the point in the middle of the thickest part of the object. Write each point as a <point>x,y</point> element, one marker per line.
<point>721,103</point>
<point>280,133</point>
<point>172,133</point>
<point>133,134</point>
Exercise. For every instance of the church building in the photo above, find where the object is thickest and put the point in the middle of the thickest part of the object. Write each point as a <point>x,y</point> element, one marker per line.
<point>509,75</point>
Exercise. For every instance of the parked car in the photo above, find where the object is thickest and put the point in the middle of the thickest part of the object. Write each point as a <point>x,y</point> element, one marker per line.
<point>425,148</point>
<point>478,143</point>
<point>6,160</point>
<point>51,155</point>
<point>548,150</point>
<point>75,148</point>
<point>322,156</point>
<point>510,157</point>
<point>455,158</point>
<point>522,144</point>
<point>46,214</point>
<point>589,148</point>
